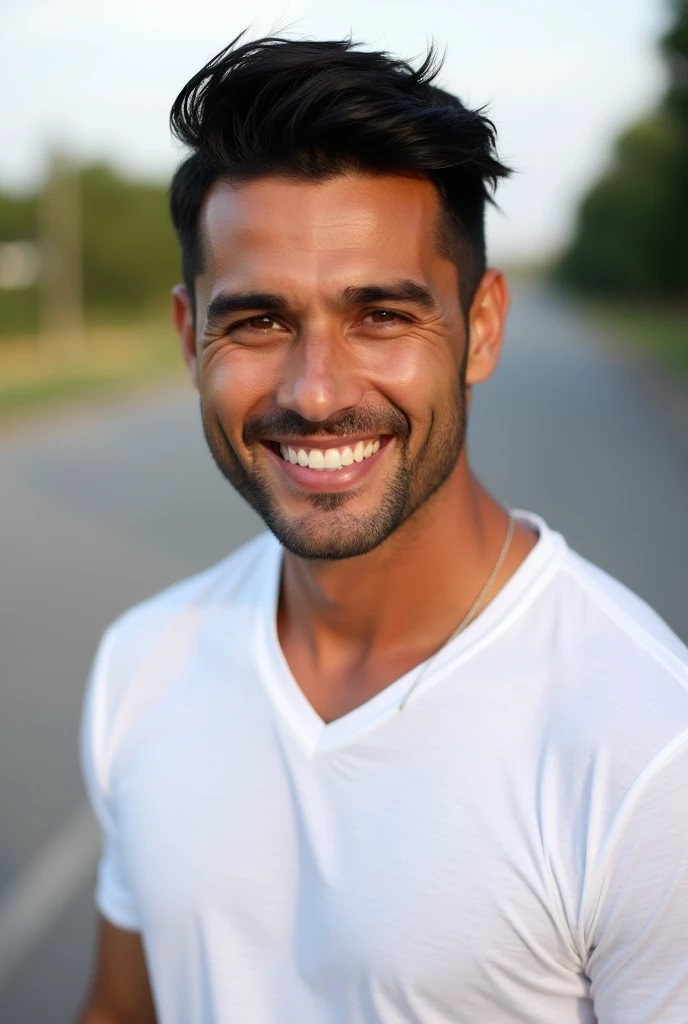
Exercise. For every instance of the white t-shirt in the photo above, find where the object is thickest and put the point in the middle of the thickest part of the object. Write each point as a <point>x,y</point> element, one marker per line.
<point>511,848</point>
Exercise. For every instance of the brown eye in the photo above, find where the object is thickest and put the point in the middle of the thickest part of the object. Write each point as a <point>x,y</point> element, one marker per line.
<point>263,323</point>
<point>385,317</point>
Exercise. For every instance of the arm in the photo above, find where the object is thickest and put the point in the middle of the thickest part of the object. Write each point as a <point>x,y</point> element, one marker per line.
<point>638,908</point>
<point>120,993</point>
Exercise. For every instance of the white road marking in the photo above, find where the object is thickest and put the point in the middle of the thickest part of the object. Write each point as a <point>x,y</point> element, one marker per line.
<point>31,904</point>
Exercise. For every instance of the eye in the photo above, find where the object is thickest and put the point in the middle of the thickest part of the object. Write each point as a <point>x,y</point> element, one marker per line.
<point>261,323</point>
<point>385,316</point>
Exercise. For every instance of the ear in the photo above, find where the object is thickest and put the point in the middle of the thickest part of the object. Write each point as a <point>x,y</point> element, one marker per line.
<point>184,322</point>
<point>486,322</point>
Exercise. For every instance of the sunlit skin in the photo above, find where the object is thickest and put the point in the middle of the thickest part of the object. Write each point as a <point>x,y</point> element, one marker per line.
<point>357,310</point>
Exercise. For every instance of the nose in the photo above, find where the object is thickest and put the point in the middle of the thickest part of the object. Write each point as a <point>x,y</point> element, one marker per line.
<point>319,377</point>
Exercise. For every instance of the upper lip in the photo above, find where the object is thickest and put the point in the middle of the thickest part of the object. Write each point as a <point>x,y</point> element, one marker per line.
<point>323,443</point>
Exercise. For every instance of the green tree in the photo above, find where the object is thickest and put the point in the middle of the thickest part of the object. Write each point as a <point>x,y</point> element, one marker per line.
<point>630,237</point>
<point>18,223</point>
<point>129,251</point>
<point>18,217</point>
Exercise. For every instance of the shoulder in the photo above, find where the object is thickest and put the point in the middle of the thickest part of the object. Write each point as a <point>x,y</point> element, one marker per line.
<point>599,643</point>
<point>235,582</point>
<point>629,619</point>
<point>621,670</point>
<point>604,685</point>
<point>142,654</point>
<point>617,705</point>
<point>622,653</point>
<point>608,675</point>
<point>624,729</point>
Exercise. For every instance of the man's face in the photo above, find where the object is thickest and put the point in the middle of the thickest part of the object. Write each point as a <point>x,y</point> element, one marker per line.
<point>330,354</point>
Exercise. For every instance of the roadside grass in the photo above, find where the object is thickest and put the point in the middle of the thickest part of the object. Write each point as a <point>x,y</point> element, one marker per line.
<point>657,332</point>
<point>114,357</point>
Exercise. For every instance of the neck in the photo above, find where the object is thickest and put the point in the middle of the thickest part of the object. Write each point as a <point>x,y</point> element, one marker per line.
<point>398,603</point>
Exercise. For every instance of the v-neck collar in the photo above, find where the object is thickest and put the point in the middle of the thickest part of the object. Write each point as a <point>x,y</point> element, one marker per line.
<point>319,737</point>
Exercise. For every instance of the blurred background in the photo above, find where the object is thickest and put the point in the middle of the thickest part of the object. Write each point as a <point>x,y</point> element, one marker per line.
<point>106,491</point>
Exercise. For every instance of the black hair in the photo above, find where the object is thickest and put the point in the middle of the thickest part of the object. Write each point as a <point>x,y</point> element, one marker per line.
<point>314,109</point>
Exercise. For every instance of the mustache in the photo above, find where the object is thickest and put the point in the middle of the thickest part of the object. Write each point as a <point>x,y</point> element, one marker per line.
<point>363,420</point>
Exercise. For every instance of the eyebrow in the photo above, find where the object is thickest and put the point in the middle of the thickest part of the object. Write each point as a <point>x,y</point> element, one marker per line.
<point>237,302</point>
<point>403,290</point>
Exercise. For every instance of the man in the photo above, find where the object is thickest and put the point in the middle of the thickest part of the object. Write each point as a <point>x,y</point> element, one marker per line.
<point>406,757</point>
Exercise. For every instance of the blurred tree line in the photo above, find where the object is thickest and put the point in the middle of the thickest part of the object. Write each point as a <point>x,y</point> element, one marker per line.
<point>631,238</point>
<point>129,254</point>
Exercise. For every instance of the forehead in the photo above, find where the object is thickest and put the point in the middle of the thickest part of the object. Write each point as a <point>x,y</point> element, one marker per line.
<point>343,228</point>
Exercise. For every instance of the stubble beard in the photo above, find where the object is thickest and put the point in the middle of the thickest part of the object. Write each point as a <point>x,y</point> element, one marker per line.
<point>330,531</point>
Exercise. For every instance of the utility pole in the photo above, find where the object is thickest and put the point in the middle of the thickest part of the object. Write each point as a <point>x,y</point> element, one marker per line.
<point>62,285</point>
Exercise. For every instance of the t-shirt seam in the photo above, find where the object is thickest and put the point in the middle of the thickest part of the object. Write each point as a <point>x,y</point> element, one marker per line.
<point>592,888</point>
<point>100,724</point>
<point>640,635</point>
<point>520,607</point>
<point>119,912</point>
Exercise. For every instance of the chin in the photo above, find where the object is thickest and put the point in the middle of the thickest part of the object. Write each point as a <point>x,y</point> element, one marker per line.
<point>333,535</point>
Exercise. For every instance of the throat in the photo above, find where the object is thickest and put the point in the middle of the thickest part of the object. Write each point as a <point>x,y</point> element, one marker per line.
<point>335,690</point>
<point>340,658</point>
<point>351,628</point>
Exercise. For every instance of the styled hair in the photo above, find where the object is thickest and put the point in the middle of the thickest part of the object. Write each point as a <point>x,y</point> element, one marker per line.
<point>316,109</point>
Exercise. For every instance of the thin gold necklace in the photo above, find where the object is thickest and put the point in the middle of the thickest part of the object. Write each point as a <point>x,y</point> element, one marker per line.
<point>470,614</point>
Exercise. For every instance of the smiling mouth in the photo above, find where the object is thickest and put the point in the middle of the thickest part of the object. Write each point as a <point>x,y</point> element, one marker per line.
<point>329,459</point>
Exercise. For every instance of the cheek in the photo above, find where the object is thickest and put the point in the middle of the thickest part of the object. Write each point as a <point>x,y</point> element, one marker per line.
<point>417,376</point>
<point>234,383</point>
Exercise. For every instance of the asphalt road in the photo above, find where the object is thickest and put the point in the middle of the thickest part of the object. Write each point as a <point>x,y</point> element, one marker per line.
<point>101,507</point>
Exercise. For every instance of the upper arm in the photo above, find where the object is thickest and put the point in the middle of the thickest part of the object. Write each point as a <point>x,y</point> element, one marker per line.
<point>115,896</point>
<point>121,992</point>
<point>638,927</point>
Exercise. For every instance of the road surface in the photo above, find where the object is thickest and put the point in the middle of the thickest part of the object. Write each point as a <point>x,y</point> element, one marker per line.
<point>104,506</point>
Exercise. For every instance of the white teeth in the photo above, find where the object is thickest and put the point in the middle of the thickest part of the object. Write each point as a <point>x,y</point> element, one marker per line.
<point>333,459</point>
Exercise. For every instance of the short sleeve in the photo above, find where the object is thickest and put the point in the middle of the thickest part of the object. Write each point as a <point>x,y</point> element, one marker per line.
<point>638,932</point>
<point>114,897</point>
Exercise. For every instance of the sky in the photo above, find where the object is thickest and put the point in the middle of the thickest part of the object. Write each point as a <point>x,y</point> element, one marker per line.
<point>560,78</point>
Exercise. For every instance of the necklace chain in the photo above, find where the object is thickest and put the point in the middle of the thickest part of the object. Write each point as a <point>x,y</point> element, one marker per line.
<point>470,614</point>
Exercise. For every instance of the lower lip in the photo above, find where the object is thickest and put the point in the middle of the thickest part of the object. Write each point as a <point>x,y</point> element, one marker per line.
<point>324,480</point>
